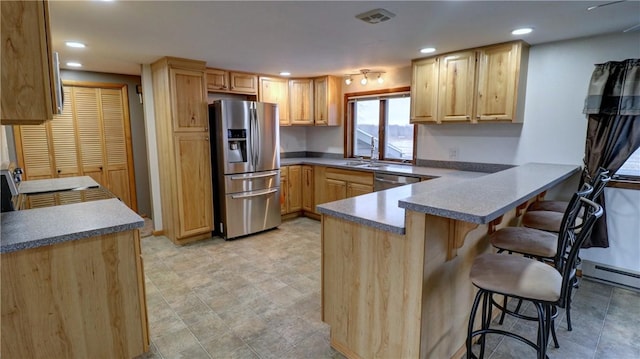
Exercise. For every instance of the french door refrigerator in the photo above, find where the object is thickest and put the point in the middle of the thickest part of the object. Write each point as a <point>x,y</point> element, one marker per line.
<point>246,164</point>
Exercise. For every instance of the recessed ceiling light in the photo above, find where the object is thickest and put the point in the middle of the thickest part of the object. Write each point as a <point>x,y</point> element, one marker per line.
<point>74,64</point>
<point>285,73</point>
<point>522,31</point>
<point>75,44</point>
<point>428,50</point>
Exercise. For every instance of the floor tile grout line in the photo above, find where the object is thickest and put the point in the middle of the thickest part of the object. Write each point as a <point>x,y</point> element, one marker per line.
<point>604,321</point>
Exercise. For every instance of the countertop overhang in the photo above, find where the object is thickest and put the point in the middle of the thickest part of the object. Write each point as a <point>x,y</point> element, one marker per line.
<point>466,196</point>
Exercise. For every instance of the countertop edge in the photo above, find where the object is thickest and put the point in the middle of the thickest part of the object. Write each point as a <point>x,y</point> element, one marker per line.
<point>360,220</point>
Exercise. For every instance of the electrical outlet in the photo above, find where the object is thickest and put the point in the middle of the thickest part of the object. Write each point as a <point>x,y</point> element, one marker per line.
<point>453,153</point>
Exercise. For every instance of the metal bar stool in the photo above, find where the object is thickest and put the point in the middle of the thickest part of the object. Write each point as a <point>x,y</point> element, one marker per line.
<point>561,206</point>
<point>528,279</point>
<point>540,245</point>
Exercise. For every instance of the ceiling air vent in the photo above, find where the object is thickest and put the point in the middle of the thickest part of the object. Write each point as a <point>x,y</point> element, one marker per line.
<point>376,16</point>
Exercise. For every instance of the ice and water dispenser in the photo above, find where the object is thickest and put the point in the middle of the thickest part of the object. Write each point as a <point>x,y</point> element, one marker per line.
<point>237,145</point>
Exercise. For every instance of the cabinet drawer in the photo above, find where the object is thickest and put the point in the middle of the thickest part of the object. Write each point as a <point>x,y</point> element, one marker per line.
<point>350,176</point>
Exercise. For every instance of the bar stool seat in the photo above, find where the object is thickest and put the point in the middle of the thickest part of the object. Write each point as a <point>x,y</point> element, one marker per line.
<point>516,276</point>
<point>553,206</point>
<point>529,241</point>
<point>543,220</point>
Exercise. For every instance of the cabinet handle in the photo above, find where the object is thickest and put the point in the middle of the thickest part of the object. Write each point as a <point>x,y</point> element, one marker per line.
<point>206,138</point>
<point>206,129</point>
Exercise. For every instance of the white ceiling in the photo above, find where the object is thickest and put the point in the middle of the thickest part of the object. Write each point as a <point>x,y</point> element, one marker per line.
<point>310,38</point>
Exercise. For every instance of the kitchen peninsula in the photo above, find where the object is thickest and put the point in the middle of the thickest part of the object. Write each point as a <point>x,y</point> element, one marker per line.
<point>72,279</point>
<point>395,280</point>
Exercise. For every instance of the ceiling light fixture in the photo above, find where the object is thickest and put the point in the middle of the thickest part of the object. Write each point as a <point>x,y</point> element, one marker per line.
<point>522,31</point>
<point>74,64</point>
<point>285,73</point>
<point>365,73</point>
<point>75,44</point>
<point>428,50</point>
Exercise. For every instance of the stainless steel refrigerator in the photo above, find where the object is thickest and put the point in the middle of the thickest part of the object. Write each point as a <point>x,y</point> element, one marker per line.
<point>246,166</point>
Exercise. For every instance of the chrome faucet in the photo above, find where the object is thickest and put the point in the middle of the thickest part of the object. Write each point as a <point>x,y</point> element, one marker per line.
<point>374,152</point>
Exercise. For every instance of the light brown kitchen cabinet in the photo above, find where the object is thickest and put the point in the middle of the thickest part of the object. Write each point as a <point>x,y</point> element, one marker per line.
<point>91,137</point>
<point>28,84</point>
<point>327,101</point>
<point>340,184</point>
<point>500,82</point>
<point>295,189</point>
<point>276,90</point>
<point>308,204</point>
<point>424,90</point>
<point>78,299</point>
<point>475,85</point>
<point>190,88</point>
<point>180,103</point>
<point>194,191</point>
<point>231,82</point>
<point>301,101</point>
<point>456,86</point>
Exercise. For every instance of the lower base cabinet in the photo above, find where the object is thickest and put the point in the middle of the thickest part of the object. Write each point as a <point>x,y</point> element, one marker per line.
<point>77,299</point>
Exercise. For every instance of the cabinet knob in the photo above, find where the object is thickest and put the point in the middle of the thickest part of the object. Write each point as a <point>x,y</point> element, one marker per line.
<point>206,138</point>
<point>100,168</point>
<point>206,129</point>
<point>59,171</point>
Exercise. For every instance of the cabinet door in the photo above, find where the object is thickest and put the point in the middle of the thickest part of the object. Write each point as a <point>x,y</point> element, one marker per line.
<point>327,101</point>
<point>307,189</point>
<point>118,152</point>
<point>86,110</point>
<point>424,91</point>
<point>27,71</point>
<point>498,73</point>
<point>193,175</point>
<point>456,86</point>
<point>63,138</point>
<point>356,189</point>
<point>216,80</point>
<point>334,190</point>
<point>189,110</point>
<point>275,90</point>
<point>243,83</point>
<point>295,190</point>
<point>301,101</point>
<point>33,152</point>
<point>284,190</point>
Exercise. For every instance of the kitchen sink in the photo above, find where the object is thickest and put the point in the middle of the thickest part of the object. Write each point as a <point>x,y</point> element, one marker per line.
<point>364,164</point>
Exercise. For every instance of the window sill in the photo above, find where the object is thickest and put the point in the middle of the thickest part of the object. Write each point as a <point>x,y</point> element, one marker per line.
<point>625,183</point>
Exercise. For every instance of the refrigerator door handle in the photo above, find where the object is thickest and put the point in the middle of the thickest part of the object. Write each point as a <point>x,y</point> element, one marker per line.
<point>254,194</point>
<point>256,127</point>
<point>252,176</point>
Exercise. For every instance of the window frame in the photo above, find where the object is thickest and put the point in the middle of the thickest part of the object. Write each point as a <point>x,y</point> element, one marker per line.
<point>350,123</point>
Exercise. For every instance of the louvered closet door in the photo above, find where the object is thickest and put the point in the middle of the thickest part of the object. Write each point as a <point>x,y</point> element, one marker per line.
<point>87,114</point>
<point>34,154</point>
<point>115,128</point>
<point>63,138</point>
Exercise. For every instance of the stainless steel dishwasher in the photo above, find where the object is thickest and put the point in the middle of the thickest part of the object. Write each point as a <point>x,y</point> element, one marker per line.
<point>386,181</point>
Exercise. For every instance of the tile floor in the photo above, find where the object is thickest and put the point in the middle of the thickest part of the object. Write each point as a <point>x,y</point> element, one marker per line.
<point>259,297</point>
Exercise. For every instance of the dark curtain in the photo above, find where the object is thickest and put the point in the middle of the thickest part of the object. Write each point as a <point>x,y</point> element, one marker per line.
<point>613,130</point>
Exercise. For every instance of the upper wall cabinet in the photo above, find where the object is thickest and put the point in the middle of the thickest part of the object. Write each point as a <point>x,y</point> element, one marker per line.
<point>301,101</point>
<point>476,85</point>
<point>231,82</point>
<point>28,90</point>
<point>276,90</point>
<point>327,104</point>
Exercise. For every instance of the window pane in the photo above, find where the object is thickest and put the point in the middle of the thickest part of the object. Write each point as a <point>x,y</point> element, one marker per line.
<point>399,132</point>
<point>367,119</point>
<point>631,168</point>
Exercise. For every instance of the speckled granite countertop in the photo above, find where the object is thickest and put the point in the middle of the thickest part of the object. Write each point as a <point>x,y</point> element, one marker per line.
<point>468,196</point>
<point>56,184</point>
<point>45,226</point>
<point>385,167</point>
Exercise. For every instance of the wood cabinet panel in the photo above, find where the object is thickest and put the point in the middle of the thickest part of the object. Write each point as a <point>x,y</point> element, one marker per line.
<point>498,73</point>
<point>27,68</point>
<point>424,90</point>
<point>89,290</point>
<point>275,90</point>
<point>308,189</point>
<point>90,134</point>
<point>217,80</point>
<point>243,83</point>
<point>284,190</point>
<point>189,104</point>
<point>301,101</point>
<point>456,86</point>
<point>33,151</point>
<point>334,190</point>
<point>356,189</point>
<point>64,142</point>
<point>193,174</point>
<point>295,190</point>
<point>327,101</point>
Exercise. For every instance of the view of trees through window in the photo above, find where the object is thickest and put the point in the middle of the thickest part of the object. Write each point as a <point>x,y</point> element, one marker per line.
<point>397,141</point>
